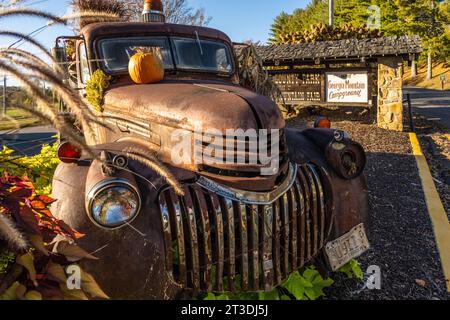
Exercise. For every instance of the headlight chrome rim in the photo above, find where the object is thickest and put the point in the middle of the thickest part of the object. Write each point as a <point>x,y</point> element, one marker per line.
<point>108,184</point>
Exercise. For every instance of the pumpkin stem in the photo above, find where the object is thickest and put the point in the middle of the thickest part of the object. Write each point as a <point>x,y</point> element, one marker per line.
<point>154,50</point>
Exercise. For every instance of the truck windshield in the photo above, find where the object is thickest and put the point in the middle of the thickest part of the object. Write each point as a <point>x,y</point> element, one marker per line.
<point>188,54</point>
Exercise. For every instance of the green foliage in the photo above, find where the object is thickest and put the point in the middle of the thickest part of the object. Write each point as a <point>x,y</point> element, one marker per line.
<point>6,258</point>
<point>352,270</point>
<point>308,285</point>
<point>429,19</point>
<point>96,87</point>
<point>39,168</point>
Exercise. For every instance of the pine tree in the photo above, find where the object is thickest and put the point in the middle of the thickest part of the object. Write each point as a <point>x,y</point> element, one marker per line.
<point>280,26</point>
<point>430,19</point>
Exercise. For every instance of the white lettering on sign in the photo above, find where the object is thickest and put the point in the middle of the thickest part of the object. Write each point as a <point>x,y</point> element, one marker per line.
<point>347,87</point>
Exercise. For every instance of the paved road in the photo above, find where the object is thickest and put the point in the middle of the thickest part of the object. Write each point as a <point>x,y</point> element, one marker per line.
<point>28,141</point>
<point>433,104</point>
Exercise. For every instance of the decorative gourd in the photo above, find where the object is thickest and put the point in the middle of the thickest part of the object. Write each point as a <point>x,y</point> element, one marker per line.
<point>146,66</point>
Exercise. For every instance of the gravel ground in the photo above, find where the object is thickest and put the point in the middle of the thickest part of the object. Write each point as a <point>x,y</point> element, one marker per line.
<point>436,147</point>
<point>402,241</point>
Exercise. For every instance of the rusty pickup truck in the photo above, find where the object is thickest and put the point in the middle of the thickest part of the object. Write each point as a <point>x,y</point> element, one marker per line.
<point>238,225</point>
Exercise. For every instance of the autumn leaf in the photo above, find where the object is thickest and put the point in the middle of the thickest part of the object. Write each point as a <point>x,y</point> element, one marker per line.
<point>28,220</point>
<point>38,243</point>
<point>38,204</point>
<point>27,261</point>
<point>33,295</point>
<point>50,290</point>
<point>75,294</point>
<point>56,272</point>
<point>20,291</point>
<point>71,251</point>
<point>10,293</point>
<point>90,286</point>
<point>20,193</point>
<point>46,199</point>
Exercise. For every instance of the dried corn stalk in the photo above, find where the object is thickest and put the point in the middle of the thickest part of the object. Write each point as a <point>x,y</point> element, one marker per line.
<point>253,75</point>
<point>104,11</point>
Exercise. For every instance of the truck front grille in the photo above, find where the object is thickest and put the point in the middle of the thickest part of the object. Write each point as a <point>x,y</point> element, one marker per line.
<point>214,244</point>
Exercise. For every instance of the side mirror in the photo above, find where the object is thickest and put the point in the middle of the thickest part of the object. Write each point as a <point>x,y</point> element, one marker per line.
<point>60,63</point>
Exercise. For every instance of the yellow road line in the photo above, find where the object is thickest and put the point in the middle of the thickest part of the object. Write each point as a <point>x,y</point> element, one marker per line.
<point>436,210</point>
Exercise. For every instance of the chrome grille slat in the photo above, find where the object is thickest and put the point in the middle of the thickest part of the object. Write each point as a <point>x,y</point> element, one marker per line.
<point>284,217</point>
<point>206,256</point>
<point>231,245</point>
<point>174,206</point>
<point>276,242</point>
<point>215,244</point>
<point>219,235</point>
<point>307,220</point>
<point>320,203</point>
<point>254,249</point>
<point>293,246</point>
<point>241,210</point>
<point>313,208</point>
<point>267,259</point>
<point>191,220</point>
<point>164,209</point>
<point>301,222</point>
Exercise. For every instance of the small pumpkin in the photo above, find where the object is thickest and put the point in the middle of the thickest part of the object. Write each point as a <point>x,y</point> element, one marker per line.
<point>146,66</point>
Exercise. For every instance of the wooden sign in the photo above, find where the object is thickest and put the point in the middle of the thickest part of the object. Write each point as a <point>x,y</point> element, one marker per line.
<point>347,87</point>
<point>297,88</point>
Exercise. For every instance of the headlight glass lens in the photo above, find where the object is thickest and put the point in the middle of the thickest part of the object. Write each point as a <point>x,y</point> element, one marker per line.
<point>115,206</point>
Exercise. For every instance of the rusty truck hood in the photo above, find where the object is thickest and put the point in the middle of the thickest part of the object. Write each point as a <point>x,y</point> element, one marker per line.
<point>189,103</point>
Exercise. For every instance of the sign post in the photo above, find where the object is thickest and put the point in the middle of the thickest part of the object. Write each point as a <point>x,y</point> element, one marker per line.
<point>443,81</point>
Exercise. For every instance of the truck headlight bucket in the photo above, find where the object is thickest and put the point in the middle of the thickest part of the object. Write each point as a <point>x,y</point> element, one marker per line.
<point>113,203</point>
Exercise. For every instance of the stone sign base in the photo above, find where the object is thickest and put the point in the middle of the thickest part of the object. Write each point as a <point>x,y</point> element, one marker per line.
<point>390,95</point>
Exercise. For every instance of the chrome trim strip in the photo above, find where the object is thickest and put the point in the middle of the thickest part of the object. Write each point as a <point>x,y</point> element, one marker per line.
<point>249,197</point>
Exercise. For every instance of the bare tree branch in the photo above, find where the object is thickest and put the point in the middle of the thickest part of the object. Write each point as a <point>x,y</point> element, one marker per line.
<point>176,11</point>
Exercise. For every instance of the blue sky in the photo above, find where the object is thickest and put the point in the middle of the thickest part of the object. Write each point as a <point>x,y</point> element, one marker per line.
<point>240,19</point>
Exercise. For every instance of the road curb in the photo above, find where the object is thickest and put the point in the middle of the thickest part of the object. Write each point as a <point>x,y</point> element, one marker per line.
<point>441,225</point>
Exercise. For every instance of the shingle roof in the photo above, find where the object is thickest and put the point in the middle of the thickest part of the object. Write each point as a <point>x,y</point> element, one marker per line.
<point>349,48</point>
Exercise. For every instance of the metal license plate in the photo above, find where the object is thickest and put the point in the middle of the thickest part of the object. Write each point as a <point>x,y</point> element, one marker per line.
<point>349,246</point>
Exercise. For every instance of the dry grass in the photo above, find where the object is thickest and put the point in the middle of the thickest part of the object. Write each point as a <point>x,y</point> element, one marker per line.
<point>106,7</point>
<point>253,76</point>
<point>17,117</point>
<point>421,79</point>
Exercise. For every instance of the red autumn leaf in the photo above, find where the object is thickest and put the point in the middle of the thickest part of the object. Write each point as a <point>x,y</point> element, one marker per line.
<point>14,179</point>
<point>26,218</point>
<point>4,185</point>
<point>46,199</point>
<point>46,212</point>
<point>20,193</point>
<point>68,230</point>
<point>38,204</point>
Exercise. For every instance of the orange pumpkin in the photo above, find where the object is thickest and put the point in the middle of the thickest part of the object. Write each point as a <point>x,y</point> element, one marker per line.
<point>146,67</point>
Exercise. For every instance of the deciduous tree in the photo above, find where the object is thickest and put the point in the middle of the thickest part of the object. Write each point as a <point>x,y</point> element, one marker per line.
<point>176,11</point>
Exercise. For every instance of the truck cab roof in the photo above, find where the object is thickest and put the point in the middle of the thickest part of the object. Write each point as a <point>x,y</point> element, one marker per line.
<point>114,29</point>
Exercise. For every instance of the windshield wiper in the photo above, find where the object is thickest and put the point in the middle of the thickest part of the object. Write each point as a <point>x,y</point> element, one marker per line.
<point>199,43</point>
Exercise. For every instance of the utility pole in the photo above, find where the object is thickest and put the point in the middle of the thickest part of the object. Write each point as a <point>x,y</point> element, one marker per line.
<point>4,97</point>
<point>331,13</point>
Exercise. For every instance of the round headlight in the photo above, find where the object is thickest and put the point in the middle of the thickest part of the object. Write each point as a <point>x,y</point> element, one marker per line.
<point>113,203</point>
